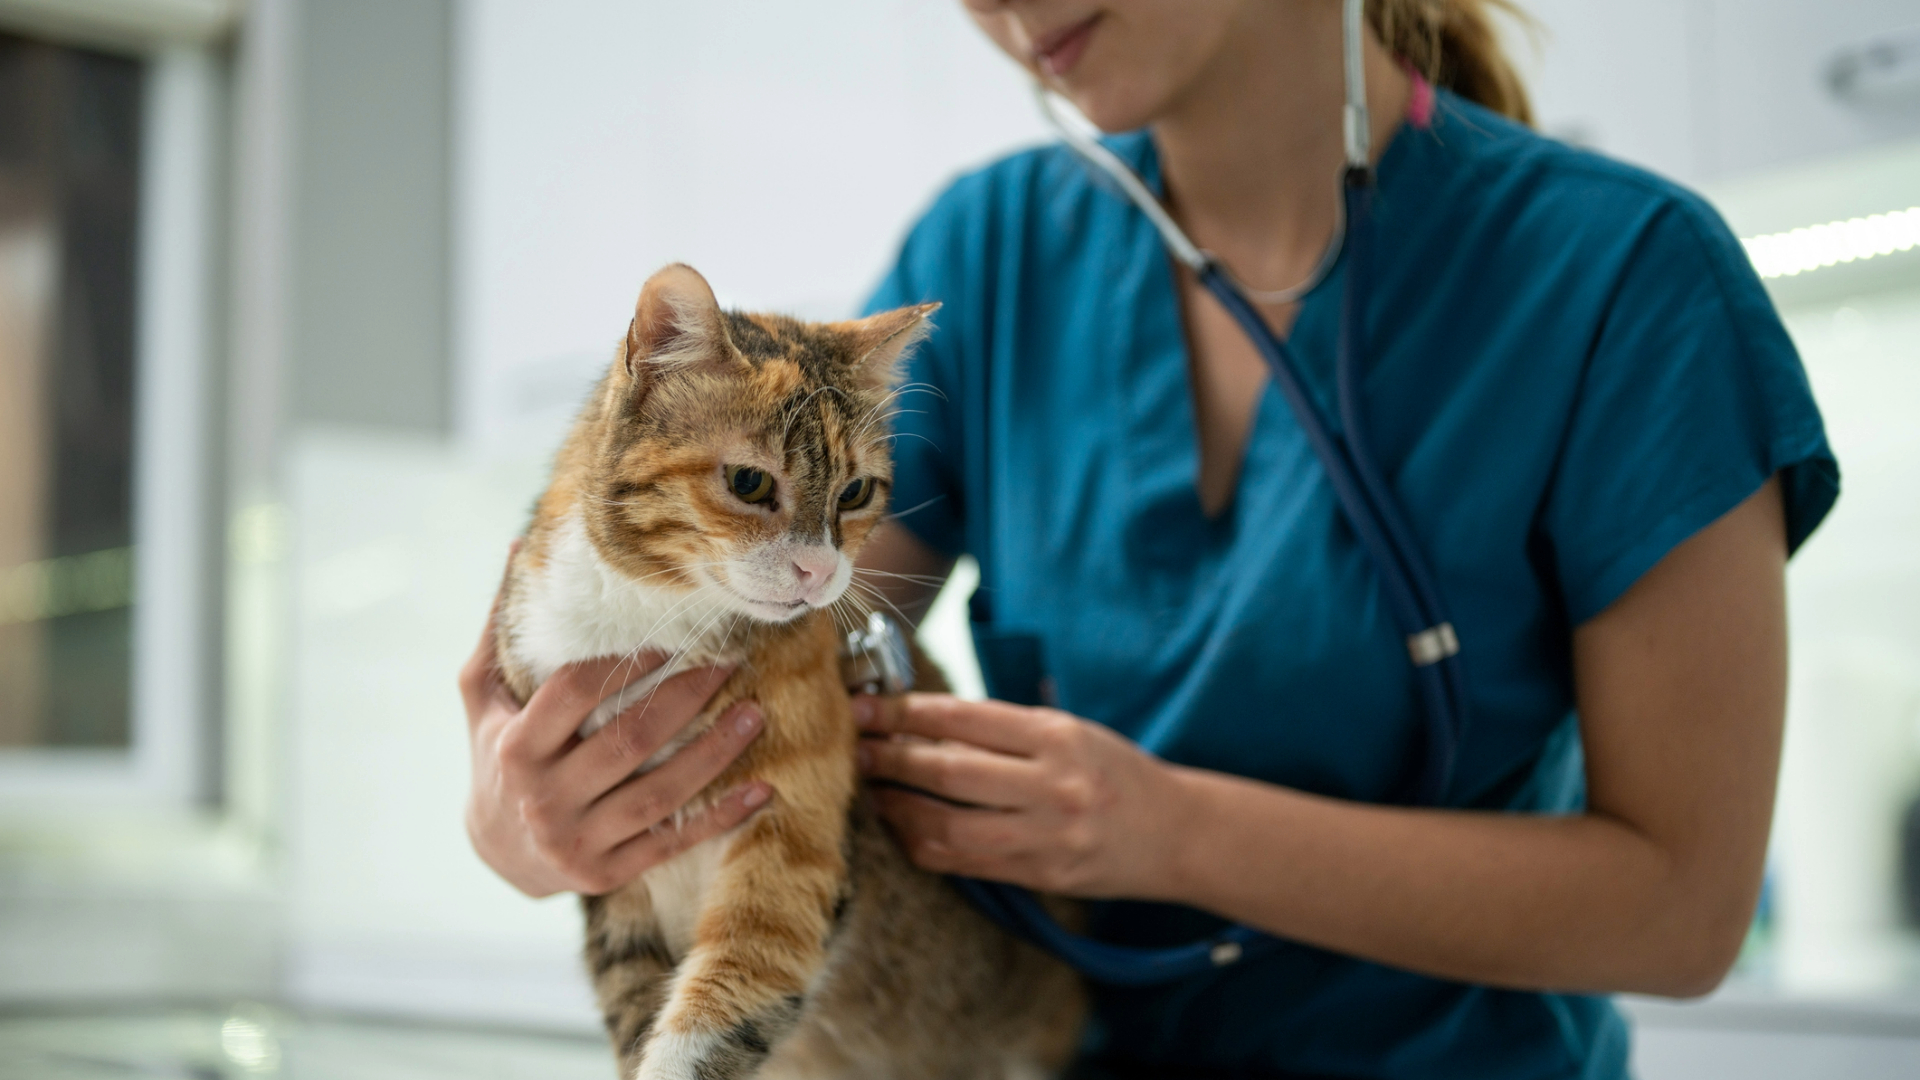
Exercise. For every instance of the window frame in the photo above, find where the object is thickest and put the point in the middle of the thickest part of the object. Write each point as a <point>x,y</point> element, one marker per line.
<point>171,760</point>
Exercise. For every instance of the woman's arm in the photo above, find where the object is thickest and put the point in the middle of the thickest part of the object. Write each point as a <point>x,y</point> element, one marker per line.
<point>1681,691</point>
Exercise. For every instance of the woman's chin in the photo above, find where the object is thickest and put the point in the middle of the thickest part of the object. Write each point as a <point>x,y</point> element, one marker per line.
<point>1112,110</point>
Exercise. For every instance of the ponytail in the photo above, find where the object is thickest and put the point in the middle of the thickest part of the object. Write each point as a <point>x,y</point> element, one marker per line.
<point>1453,44</point>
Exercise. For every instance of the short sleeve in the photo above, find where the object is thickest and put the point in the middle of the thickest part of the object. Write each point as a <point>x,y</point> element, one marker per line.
<point>928,471</point>
<point>1692,397</point>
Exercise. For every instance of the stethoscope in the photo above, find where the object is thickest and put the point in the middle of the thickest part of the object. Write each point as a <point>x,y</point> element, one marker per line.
<point>1358,485</point>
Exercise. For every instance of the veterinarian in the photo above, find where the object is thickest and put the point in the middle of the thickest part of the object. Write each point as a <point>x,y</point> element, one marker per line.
<point>1585,407</point>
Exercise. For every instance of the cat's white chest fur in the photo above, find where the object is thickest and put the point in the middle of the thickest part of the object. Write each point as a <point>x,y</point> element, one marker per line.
<point>678,888</point>
<point>577,608</point>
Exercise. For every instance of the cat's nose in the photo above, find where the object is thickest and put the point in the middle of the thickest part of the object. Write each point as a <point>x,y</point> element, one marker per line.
<point>811,569</point>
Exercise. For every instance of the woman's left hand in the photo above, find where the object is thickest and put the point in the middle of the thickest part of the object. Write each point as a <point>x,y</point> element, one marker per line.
<point>1036,797</point>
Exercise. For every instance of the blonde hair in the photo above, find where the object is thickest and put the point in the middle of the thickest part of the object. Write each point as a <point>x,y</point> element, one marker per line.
<point>1453,43</point>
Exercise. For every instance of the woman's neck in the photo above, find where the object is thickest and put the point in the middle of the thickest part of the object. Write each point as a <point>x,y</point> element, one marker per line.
<point>1251,153</point>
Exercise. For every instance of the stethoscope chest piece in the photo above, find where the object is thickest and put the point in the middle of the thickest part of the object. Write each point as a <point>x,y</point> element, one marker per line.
<point>876,658</point>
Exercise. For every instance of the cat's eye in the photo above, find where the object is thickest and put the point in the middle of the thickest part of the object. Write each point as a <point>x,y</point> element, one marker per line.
<point>750,484</point>
<point>857,494</point>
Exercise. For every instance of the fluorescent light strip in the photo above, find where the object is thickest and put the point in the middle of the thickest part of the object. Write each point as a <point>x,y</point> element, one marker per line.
<point>1817,246</point>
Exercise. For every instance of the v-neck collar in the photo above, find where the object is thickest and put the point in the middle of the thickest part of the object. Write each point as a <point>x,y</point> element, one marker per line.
<point>1174,531</point>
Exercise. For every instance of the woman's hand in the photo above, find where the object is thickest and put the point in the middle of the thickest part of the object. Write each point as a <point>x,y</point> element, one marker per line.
<point>552,812</point>
<point>1053,802</point>
<point>1681,685</point>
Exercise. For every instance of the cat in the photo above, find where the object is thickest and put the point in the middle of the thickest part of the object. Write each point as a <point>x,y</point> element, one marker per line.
<point>709,503</point>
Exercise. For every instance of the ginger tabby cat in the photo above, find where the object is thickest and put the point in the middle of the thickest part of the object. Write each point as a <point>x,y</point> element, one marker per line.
<point>709,503</point>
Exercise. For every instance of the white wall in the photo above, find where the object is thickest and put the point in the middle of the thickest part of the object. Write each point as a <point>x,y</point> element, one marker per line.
<point>398,542</point>
<point>1853,741</point>
<point>780,149</point>
<point>1706,90</point>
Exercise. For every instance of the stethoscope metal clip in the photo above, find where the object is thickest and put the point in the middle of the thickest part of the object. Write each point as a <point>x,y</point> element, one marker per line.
<point>1432,645</point>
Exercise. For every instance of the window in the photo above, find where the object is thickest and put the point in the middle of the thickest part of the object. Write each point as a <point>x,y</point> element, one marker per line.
<point>69,220</point>
<point>108,178</point>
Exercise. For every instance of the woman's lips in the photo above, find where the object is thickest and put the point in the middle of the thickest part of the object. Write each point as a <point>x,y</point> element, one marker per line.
<point>1057,52</point>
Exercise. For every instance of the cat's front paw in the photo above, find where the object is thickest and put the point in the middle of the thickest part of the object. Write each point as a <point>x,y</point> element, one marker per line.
<point>675,1055</point>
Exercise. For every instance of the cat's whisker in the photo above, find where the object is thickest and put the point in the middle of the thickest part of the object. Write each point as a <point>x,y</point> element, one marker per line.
<point>911,509</point>
<point>897,413</point>
<point>794,413</point>
<point>896,395</point>
<point>834,613</point>
<point>894,435</point>
<point>643,579</point>
<point>851,605</point>
<point>868,587</point>
<point>901,391</point>
<point>692,640</point>
<point>876,594</point>
<point>921,388</point>
<point>704,634</point>
<point>867,418</point>
<point>918,579</point>
<point>846,619</point>
<point>679,607</point>
<point>889,418</point>
<point>871,586</point>
<point>676,608</point>
<point>633,656</point>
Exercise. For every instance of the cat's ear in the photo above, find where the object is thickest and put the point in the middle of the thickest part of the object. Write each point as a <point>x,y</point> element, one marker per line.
<point>879,341</point>
<point>676,325</point>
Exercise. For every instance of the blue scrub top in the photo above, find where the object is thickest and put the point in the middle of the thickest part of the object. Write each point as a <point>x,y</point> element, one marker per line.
<point>1572,368</point>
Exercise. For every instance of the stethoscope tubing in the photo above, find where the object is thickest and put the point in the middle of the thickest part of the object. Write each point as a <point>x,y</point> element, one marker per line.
<point>1445,716</point>
<point>1358,484</point>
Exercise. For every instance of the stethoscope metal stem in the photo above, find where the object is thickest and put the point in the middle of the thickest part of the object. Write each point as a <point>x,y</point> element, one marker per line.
<point>1094,153</point>
<point>1178,243</point>
<point>1356,123</point>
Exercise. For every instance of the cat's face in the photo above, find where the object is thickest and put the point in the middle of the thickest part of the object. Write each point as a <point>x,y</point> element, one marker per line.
<point>746,456</point>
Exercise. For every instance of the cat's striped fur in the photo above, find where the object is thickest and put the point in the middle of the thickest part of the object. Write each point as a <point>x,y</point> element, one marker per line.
<point>802,944</point>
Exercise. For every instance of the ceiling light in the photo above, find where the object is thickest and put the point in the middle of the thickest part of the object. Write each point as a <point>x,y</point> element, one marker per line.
<point>1816,246</point>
